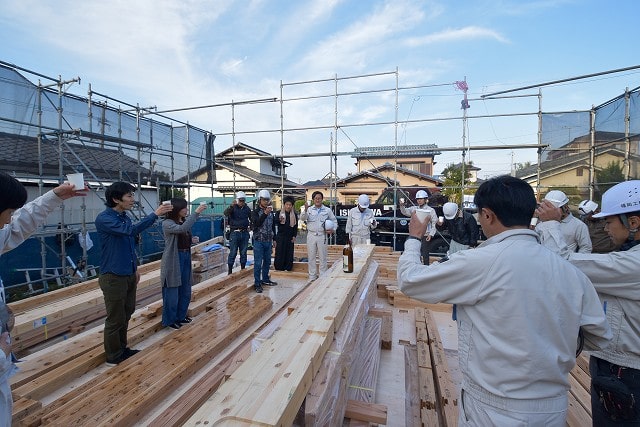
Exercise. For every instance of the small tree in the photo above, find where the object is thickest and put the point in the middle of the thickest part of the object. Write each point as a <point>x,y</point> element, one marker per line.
<point>609,176</point>
<point>453,181</point>
<point>165,191</point>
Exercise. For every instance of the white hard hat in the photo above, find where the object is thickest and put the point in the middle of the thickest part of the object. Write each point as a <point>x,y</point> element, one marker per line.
<point>587,206</point>
<point>240,195</point>
<point>363,201</point>
<point>450,210</point>
<point>620,199</point>
<point>264,194</point>
<point>557,198</point>
<point>329,225</point>
<point>421,194</point>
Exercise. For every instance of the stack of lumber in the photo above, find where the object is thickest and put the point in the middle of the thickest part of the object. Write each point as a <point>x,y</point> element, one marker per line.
<point>579,413</point>
<point>437,394</point>
<point>208,262</point>
<point>141,381</point>
<point>326,401</point>
<point>67,311</point>
<point>270,386</point>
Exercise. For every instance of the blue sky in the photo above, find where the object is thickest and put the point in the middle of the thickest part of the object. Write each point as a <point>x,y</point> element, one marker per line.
<point>175,54</point>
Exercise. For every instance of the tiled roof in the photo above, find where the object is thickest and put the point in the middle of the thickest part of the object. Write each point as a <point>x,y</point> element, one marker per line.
<point>228,152</point>
<point>403,151</point>
<point>261,179</point>
<point>19,155</point>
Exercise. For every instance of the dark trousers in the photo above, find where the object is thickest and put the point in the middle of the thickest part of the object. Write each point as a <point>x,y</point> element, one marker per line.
<point>424,250</point>
<point>120,301</point>
<point>615,394</point>
<point>284,253</point>
<point>238,241</point>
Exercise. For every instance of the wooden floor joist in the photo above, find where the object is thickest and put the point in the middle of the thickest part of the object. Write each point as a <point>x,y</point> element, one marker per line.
<point>326,399</point>
<point>269,388</point>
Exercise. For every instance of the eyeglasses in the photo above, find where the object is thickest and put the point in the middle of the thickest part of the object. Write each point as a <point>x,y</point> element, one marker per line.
<point>241,200</point>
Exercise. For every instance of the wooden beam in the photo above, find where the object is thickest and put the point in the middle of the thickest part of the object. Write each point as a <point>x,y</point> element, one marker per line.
<point>270,386</point>
<point>363,411</point>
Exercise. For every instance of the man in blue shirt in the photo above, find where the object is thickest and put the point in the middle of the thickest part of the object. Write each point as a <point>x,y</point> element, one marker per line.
<point>118,266</point>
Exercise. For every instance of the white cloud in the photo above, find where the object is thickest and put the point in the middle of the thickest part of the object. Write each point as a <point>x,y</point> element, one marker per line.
<point>353,47</point>
<point>455,35</point>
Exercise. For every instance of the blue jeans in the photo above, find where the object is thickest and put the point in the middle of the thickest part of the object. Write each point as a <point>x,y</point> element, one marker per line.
<point>238,240</point>
<point>169,305</point>
<point>184,291</point>
<point>175,300</point>
<point>262,261</point>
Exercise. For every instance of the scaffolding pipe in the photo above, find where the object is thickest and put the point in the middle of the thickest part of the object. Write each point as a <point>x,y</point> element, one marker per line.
<point>570,79</point>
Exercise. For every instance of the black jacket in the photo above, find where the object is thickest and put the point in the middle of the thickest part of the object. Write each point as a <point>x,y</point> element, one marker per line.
<point>464,230</point>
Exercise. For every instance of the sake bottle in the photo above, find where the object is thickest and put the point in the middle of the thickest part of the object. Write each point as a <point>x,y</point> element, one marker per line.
<point>347,258</point>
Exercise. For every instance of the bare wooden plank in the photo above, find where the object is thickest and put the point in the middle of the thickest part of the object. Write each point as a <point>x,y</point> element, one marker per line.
<point>366,411</point>
<point>23,407</point>
<point>446,390</point>
<point>142,383</point>
<point>577,416</point>
<point>412,393</point>
<point>581,393</point>
<point>386,333</point>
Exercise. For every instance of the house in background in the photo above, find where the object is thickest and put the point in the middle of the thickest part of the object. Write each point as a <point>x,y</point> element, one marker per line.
<point>569,165</point>
<point>418,158</point>
<point>101,167</point>
<point>371,182</point>
<point>244,168</point>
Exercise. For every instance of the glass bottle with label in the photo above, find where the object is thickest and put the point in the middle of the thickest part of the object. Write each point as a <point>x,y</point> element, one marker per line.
<point>347,258</point>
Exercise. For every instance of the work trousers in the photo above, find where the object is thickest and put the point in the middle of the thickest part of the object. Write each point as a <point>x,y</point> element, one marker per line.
<point>120,302</point>
<point>615,394</point>
<point>262,261</point>
<point>497,411</point>
<point>358,240</point>
<point>316,246</point>
<point>238,241</point>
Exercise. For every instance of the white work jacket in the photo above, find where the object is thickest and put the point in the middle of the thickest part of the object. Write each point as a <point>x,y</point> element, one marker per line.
<point>359,223</point>
<point>519,309</point>
<point>431,227</point>
<point>616,278</point>
<point>316,218</point>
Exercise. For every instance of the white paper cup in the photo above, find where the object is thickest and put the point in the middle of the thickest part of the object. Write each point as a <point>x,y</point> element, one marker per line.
<point>203,203</point>
<point>77,180</point>
<point>166,202</point>
<point>534,221</point>
<point>422,214</point>
<point>441,219</point>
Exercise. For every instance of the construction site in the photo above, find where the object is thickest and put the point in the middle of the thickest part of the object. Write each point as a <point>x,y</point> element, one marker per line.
<point>344,349</point>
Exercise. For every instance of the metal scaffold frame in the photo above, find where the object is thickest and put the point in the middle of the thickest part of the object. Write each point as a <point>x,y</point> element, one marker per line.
<point>142,140</point>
